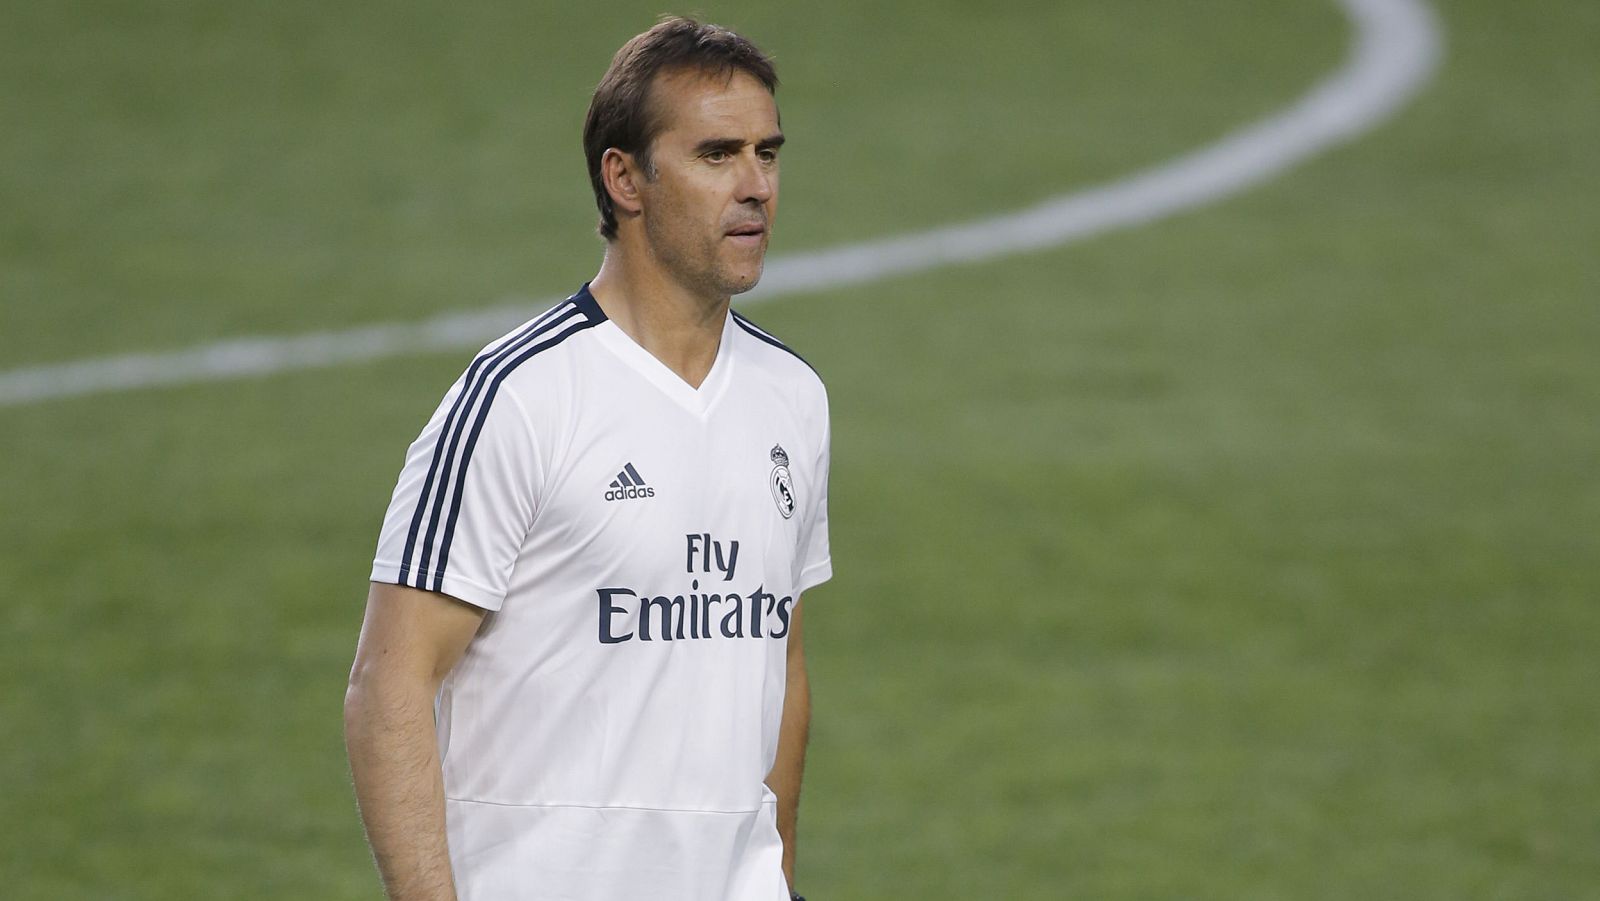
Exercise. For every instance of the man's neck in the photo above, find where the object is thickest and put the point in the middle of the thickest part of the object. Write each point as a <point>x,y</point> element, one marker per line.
<point>680,328</point>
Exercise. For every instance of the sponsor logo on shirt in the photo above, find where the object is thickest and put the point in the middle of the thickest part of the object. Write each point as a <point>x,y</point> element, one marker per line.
<point>629,485</point>
<point>626,614</point>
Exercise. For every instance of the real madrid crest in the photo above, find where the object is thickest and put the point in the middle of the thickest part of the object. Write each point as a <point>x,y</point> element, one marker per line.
<point>782,483</point>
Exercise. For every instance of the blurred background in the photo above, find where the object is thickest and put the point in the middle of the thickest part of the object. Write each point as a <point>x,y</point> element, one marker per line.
<point>1252,554</point>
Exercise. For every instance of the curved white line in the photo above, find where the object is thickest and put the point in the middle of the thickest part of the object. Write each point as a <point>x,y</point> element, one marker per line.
<point>1396,48</point>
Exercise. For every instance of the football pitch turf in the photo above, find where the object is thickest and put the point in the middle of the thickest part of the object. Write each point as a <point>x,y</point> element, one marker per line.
<point>1253,554</point>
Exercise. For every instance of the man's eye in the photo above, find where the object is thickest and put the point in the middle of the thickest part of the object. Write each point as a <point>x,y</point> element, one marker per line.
<point>769,156</point>
<point>717,156</point>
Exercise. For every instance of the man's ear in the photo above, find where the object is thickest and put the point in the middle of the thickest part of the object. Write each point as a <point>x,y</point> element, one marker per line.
<point>622,176</point>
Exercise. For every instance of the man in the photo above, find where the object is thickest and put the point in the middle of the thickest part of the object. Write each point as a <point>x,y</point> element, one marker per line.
<point>580,674</point>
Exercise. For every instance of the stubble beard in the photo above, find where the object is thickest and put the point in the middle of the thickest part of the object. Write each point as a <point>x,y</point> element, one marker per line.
<point>700,267</point>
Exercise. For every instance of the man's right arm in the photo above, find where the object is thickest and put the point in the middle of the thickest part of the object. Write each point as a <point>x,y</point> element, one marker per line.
<point>410,640</point>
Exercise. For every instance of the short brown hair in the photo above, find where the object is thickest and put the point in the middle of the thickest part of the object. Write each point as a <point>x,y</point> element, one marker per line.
<point>620,114</point>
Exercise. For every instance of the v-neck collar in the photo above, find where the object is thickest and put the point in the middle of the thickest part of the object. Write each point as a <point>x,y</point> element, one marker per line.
<point>698,401</point>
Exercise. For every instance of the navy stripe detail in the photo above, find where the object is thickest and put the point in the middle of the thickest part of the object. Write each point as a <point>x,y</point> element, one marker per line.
<point>455,424</point>
<point>623,478</point>
<point>477,429</point>
<point>628,467</point>
<point>586,302</point>
<point>450,436</point>
<point>490,357</point>
<point>756,332</point>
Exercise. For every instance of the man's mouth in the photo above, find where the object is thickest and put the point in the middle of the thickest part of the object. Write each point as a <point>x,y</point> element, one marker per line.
<point>748,230</point>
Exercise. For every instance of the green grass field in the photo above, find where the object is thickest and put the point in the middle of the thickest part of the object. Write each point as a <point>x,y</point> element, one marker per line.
<point>1254,554</point>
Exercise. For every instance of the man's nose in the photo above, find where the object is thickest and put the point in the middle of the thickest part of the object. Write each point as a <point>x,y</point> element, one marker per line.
<point>755,181</point>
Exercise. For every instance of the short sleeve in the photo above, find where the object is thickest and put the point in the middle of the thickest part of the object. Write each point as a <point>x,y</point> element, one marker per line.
<point>465,498</point>
<point>816,564</point>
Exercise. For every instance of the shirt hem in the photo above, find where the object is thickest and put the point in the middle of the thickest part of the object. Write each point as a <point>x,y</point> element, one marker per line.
<point>640,807</point>
<point>815,575</point>
<point>455,586</point>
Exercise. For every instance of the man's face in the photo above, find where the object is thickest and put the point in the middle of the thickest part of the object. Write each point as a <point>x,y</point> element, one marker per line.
<point>709,208</point>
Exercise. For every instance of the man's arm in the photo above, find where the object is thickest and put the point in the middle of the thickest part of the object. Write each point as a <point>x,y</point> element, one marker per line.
<point>784,780</point>
<point>410,640</point>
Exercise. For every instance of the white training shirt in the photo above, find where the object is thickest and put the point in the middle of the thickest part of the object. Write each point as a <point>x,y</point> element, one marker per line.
<point>640,546</point>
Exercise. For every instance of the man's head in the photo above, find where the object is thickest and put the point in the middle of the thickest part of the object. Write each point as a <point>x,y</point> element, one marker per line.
<point>681,140</point>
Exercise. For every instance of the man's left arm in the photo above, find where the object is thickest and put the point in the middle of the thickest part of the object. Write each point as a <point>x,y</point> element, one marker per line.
<point>784,780</point>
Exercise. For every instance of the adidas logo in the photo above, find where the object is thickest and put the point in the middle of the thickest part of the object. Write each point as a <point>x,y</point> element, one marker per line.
<point>629,485</point>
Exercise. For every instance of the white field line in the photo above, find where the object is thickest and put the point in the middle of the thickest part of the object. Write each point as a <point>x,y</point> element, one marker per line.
<point>1395,50</point>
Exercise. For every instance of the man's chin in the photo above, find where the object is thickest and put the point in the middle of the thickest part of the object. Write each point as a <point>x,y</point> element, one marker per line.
<point>740,282</point>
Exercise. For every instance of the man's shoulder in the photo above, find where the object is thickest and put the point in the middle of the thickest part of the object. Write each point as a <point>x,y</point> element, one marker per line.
<point>534,345</point>
<point>777,357</point>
